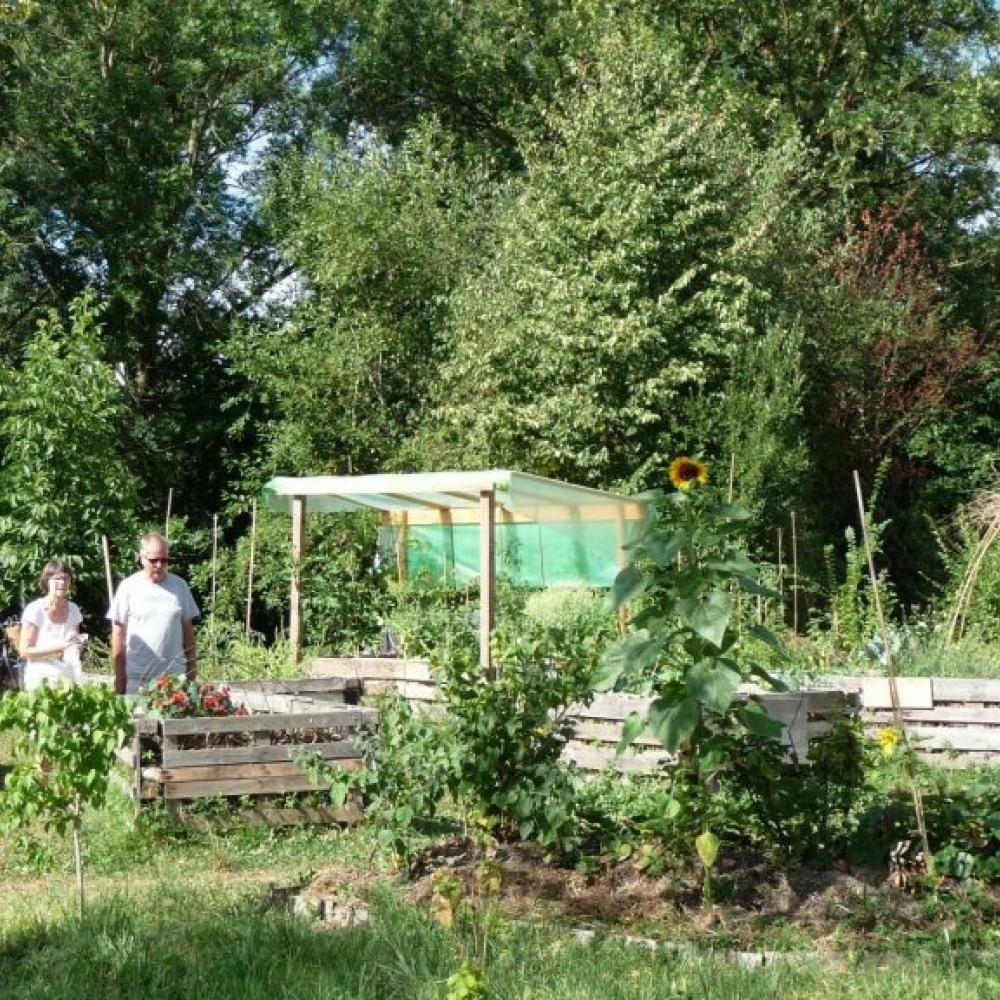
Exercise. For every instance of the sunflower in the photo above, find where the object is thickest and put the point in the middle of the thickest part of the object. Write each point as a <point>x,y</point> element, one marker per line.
<point>684,471</point>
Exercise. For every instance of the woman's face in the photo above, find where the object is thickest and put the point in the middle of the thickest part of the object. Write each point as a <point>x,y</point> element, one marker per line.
<point>59,584</point>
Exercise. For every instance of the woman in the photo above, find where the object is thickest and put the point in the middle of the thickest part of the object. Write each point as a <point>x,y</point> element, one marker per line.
<point>50,631</point>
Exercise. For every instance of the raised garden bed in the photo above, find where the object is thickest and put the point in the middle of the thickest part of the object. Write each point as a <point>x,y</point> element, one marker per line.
<point>183,760</point>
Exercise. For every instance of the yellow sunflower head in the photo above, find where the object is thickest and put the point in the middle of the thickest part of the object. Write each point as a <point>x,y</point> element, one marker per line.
<point>685,471</point>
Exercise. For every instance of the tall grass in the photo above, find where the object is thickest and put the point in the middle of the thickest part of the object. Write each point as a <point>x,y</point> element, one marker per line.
<point>178,942</point>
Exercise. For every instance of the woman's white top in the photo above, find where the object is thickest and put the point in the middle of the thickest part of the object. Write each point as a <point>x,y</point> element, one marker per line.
<point>57,668</point>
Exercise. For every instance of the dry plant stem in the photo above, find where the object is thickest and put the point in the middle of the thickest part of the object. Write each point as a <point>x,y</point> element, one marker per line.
<point>732,475</point>
<point>956,623</point>
<point>77,856</point>
<point>890,666</point>
<point>170,504</point>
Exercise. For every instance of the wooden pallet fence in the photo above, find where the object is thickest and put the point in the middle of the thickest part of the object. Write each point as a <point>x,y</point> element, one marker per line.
<point>947,718</point>
<point>804,715</point>
<point>179,760</point>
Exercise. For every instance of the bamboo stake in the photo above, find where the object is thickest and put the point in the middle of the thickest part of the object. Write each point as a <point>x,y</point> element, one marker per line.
<point>890,666</point>
<point>732,475</point>
<point>170,504</point>
<point>107,569</point>
<point>215,574</point>
<point>781,573</point>
<point>253,542</point>
<point>795,578</point>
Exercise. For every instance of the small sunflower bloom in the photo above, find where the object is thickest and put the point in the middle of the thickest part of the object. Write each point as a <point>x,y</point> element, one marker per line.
<point>888,740</point>
<point>686,471</point>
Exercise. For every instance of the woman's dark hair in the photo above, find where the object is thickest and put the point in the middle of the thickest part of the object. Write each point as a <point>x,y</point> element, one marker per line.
<point>53,568</point>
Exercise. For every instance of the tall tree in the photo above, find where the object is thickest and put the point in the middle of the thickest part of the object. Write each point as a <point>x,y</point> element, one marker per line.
<point>128,130</point>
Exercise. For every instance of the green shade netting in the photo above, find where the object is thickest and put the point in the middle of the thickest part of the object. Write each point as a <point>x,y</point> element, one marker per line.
<point>528,555</point>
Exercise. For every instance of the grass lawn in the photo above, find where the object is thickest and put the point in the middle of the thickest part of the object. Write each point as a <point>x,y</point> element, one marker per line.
<point>184,915</point>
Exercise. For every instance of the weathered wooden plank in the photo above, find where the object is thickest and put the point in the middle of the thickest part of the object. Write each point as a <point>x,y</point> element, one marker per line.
<point>223,772</point>
<point>410,690</point>
<point>257,754</point>
<point>143,725</point>
<point>612,706</point>
<point>981,689</point>
<point>299,685</point>
<point>959,738</point>
<point>366,669</point>
<point>338,719</point>
<point>591,758</point>
<point>177,790</point>
<point>609,732</point>
<point>943,714</point>
<point>914,692</point>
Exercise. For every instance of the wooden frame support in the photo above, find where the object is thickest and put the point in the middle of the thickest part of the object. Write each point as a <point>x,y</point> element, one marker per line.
<point>487,576</point>
<point>295,596</point>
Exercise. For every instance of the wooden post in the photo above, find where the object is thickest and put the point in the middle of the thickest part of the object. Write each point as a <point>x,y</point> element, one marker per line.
<point>795,578</point>
<point>621,537</point>
<point>253,542</point>
<point>215,576</point>
<point>487,576</point>
<point>298,539</point>
<point>401,548</point>
<point>166,522</point>
<point>107,569</point>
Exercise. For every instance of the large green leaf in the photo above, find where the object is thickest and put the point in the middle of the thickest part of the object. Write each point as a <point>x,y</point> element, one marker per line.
<point>766,636</point>
<point>709,618</point>
<point>633,726</point>
<point>756,720</point>
<point>713,684</point>
<point>663,550</point>
<point>729,512</point>
<point>734,562</point>
<point>635,652</point>
<point>629,583</point>
<point>672,722</point>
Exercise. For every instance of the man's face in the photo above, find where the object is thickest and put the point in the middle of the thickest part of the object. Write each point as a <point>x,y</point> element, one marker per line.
<point>155,557</point>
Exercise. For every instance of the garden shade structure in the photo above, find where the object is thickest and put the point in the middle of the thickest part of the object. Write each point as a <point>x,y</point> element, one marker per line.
<point>459,525</point>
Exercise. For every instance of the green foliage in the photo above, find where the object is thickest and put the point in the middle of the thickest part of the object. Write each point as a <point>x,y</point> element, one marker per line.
<point>434,620</point>
<point>620,280</point>
<point>411,764</point>
<point>64,749</point>
<point>580,614</point>
<point>64,479</point>
<point>686,566</point>
<point>343,590</point>
<point>799,809</point>
<point>512,726</point>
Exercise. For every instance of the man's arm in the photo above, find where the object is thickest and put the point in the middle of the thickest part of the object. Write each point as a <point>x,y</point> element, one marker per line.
<point>118,655</point>
<point>190,649</point>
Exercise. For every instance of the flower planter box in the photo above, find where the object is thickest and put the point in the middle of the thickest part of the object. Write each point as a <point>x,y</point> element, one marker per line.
<point>182,760</point>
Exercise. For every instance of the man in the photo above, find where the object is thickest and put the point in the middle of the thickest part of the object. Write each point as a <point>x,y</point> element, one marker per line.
<point>152,621</point>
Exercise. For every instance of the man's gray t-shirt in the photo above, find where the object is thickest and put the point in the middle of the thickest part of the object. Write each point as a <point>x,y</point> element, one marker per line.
<point>152,614</point>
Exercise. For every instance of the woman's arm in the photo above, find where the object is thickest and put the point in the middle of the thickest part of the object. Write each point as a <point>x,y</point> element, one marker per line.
<point>27,649</point>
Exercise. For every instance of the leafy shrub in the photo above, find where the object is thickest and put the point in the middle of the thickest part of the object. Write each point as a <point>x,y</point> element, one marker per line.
<point>512,726</point>
<point>65,744</point>
<point>579,613</point>
<point>434,620</point>
<point>412,764</point>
